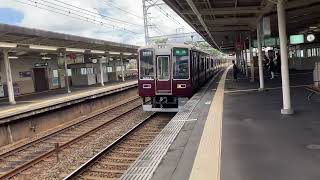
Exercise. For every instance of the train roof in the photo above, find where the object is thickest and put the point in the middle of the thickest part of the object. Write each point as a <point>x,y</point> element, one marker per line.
<point>172,45</point>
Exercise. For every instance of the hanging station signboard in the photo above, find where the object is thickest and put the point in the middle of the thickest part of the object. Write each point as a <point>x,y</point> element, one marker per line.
<point>297,39</point>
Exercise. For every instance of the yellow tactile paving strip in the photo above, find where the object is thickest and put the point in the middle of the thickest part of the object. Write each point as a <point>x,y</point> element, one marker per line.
<point>65,98</point>
<point>207,161</point>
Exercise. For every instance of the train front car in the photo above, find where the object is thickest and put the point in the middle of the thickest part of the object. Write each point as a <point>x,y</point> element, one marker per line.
<point>164,76</point>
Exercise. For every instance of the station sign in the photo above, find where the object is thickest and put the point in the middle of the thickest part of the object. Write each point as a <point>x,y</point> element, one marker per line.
<point>180,52</point>
<point>297,39</point>
<point>268,42</point>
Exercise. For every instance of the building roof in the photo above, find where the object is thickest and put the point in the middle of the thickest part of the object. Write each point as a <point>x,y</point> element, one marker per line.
<point>27,36</point>
<point>220,22</point>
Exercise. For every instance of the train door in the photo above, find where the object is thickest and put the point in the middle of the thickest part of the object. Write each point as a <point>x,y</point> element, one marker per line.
<point>163,78</point>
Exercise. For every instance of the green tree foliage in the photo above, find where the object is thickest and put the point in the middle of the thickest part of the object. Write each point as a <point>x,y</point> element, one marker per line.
<point>204,46</point>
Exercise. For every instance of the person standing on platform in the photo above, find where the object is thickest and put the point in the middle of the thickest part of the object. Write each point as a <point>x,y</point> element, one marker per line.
<point>271,68</point>
<point>278,62</point>
<point>235,70</point>
<point>266,61</point>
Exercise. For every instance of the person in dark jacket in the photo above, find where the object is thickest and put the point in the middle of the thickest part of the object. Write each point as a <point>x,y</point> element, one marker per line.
<point>278,61</point>
<point>235,70</point>
<point>271,68</point>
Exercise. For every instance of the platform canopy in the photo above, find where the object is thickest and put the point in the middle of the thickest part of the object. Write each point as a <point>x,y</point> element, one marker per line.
<point>220,21</point>
<point>24,37</point>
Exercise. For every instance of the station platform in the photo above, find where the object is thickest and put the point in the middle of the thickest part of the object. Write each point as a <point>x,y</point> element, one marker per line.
<point>234,131</point>
<point>49,100</point>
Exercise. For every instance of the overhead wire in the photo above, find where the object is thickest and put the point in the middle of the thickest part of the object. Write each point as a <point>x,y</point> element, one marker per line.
<point>86,11</point>
<point>121,9</point>
<point>161,10</point>
<point>46,7</point>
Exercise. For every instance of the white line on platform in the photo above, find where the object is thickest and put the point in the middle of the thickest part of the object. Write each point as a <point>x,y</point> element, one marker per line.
<point>188,120</point>
<point>274,88</point>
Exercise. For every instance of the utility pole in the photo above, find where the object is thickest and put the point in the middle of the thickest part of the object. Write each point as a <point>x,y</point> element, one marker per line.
<point>147,4</point>
<point>146,22</point>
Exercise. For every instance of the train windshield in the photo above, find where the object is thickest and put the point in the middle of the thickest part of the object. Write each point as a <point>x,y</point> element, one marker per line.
<point>180,63</point>
<point>146,64</point>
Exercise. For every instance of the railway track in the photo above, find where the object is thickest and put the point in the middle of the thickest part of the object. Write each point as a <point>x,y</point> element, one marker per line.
<point>14,162</point>
<point>115,159</point>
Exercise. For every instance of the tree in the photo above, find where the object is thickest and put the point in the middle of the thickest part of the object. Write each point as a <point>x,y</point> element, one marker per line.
<point>204,46</point>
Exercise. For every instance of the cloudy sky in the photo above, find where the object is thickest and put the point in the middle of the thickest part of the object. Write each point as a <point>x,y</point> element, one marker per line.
<point>113,20</point>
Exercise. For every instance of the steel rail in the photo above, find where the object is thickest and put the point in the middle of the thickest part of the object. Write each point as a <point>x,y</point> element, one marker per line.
<point>94,114</point>
<point>91,161</point>
<point>39,158</point>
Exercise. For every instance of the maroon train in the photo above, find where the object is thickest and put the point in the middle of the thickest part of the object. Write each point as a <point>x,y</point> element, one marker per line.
<point>170,72</point>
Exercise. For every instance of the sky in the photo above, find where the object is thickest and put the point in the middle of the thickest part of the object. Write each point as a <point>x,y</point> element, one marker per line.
<point>111,20</point>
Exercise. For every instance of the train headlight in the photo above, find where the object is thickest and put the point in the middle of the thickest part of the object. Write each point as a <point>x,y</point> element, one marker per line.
<point>181,86</point>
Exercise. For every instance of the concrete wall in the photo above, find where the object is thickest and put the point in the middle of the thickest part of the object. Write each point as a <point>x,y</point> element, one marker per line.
<point>26,84</point>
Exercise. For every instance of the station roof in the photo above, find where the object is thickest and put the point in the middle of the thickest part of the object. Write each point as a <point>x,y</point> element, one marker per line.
<point>27,36</point>
<point>219,22</point>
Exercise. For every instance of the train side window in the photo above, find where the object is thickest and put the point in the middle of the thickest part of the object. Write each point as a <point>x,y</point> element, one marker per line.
<point>146,64</point>
<point>180,67</point>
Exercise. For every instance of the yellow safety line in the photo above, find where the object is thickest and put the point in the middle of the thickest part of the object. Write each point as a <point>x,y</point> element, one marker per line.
<point>207,162</point>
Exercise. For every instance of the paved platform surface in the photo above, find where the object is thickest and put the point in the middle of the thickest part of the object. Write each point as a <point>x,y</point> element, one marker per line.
<point>45,99</point>
<point>257,142</point>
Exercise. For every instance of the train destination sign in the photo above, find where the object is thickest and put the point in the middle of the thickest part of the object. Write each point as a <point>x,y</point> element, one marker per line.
<point>146,53</point>
<point>180,51</point>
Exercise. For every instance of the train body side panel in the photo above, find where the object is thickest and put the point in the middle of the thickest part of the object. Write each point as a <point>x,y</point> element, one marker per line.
<point>146,88</point>
<point>182,88</point>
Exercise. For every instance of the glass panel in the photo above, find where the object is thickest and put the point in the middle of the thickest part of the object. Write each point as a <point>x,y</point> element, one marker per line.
<point>146,64</point>
<point>69,72</point>
<point>104,69</point>
<point>90,71</point>
<point>302,53</point>
<point>118,68</point>
<point>83,71</point>
<point>309,54</point>
<point>55,73</point>
<point>163,68</point>
<point>109,69</point>
<point>180,67</point>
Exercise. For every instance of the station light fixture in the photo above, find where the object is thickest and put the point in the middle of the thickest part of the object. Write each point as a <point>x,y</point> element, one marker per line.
<point>127,54</point>
<point>97,52</point>
<point>46,58</point>
<point>7,45</point>
<point>13,57</point>
<point>40,47</point>
<point>75,50</point>
<point>114,53</point>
